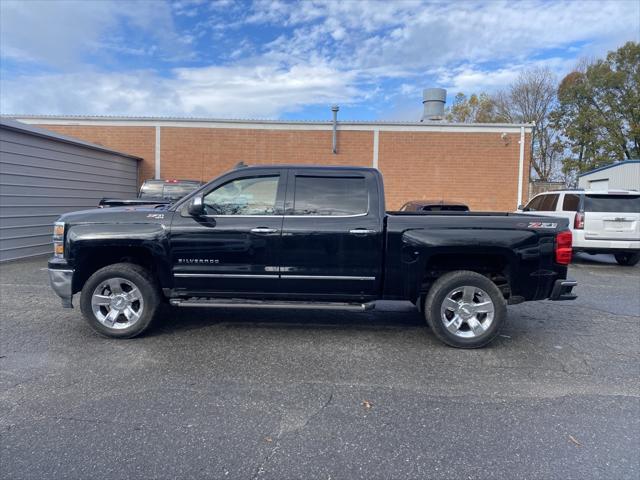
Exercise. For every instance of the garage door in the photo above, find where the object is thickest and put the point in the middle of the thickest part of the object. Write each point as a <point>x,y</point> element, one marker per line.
<point>602,184</point>
<point>42,178</point>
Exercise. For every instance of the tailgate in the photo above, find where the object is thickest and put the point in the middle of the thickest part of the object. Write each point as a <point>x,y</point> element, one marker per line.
<point>612,217</point>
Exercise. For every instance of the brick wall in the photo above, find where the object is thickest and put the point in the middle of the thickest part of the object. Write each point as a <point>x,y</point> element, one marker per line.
<point>204,153</point>
<point>480,169</point>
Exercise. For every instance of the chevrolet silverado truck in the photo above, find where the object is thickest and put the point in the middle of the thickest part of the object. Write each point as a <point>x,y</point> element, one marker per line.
<point>307,237</point>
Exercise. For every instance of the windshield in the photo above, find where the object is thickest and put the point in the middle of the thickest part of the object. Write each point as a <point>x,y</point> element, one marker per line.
<point>168,191</point>
<point>445,207</point>
<point>175,191</point>
<point>612,203</point>
<point>151,190</point>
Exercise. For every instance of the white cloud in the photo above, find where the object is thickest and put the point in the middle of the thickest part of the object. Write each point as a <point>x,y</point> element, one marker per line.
<point>471,78</point>
<point>243,91</point>
<point>400,36</point>
<point>264,90</point>
<point>326,51</point>
<point>61,34</point>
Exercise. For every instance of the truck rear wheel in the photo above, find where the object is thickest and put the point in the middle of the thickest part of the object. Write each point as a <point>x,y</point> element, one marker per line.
<point>627,259</point>
<point>120,300</point>
<point>465,309</point>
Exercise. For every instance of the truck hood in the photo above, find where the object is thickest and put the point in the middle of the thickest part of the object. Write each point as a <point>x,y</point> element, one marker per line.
<point>128,214</point>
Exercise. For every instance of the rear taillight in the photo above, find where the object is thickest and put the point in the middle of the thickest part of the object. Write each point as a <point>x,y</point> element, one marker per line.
<point>578,222</point>
<point>563,247</point>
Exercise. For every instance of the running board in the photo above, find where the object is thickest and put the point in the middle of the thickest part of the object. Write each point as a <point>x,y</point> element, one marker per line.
<point>246,303</point>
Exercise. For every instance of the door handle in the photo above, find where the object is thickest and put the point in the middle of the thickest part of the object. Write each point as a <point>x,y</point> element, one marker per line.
<point>263,230</point>
<point>361,231</point>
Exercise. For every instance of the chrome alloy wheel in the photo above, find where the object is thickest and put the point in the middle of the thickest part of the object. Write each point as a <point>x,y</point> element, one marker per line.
<point>467,311</point>
<point>117,303</point>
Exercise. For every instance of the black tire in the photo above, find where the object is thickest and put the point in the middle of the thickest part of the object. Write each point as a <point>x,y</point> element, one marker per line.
<point>627,259</point>
<point>139,277</point>
<point>446,284</point>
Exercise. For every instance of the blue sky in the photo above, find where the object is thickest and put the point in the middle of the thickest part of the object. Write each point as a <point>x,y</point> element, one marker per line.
<point>286,60</point>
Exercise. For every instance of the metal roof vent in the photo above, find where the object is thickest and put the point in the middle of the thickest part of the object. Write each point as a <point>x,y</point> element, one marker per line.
<point>433,100</point>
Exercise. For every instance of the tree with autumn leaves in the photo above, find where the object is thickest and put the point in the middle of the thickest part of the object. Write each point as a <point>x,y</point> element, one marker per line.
<point>598,110</point>
<point>589,119</point>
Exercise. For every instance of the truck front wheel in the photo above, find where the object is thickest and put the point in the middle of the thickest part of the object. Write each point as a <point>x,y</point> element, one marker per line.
<point>465,309</point>
<point>120,300</point>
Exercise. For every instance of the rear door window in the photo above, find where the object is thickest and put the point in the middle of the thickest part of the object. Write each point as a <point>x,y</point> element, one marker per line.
<point>330,196</point>
<point>571,202</point>
<point>612,203</point>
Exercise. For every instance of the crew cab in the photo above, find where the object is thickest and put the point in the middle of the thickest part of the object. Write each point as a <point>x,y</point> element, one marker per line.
<point>602,221</point>
<point>307,237</point>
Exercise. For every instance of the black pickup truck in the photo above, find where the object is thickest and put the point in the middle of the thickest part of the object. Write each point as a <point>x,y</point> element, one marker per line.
<point>307,237</point>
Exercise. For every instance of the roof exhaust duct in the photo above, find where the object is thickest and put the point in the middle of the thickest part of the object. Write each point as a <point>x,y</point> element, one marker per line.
<point>433,100</point>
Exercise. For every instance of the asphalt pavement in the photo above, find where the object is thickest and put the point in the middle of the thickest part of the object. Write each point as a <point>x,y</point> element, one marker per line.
<point>279,394</point>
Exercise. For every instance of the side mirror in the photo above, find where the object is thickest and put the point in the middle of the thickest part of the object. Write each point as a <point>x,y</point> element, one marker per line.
<point>196,206</point>
<point>521,207</point>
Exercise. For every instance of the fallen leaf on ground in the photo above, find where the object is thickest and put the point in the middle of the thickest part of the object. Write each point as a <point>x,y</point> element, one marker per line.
<point>268,439</point>
<point>575,441</point>
<point>367,404</point>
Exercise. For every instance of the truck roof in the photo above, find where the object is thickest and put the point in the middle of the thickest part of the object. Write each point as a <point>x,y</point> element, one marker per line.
<point>308,167</point>
<point>154,181</point>
<point>610,191</point>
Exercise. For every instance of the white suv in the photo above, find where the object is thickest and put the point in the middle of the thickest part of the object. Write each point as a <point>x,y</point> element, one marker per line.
<point>601,221</point>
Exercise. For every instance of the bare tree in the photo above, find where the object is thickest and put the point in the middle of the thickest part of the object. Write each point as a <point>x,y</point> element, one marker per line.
<point>531,98</point>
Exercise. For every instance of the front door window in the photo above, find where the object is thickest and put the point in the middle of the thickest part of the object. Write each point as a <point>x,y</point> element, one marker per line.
<point>244,196</point>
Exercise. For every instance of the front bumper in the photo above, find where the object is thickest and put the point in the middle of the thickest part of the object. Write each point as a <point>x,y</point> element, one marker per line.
<point>61,282</point>
<point>562,290</point>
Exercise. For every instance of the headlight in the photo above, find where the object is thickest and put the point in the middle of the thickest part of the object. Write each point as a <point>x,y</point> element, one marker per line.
<point>58,239</point>
<point>58,230</point>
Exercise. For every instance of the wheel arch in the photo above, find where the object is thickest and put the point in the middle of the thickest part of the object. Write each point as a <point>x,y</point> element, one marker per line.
<point>93,246</point>
<point>494,263</point>
<point>90,259</point>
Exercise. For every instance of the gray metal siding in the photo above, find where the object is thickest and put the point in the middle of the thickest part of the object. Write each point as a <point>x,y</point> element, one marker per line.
<point>41,178</point>
<point>624,176</point>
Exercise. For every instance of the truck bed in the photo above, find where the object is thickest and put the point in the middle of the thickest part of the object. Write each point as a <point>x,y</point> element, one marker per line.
<point>453,213</point>
<point>522,245</point>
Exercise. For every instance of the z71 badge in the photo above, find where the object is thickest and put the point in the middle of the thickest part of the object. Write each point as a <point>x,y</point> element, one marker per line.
<point>157,216</point>
<point>542,225</point>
